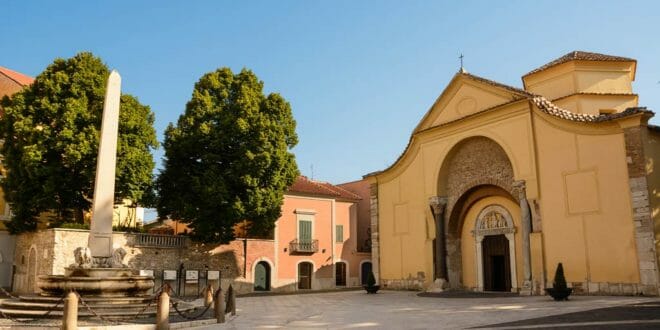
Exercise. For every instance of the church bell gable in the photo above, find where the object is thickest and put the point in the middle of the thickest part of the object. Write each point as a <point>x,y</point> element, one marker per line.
<point>466,95</point>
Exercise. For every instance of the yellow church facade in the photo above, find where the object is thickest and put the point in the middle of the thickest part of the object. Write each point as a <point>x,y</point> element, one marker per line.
<point>498,185</point>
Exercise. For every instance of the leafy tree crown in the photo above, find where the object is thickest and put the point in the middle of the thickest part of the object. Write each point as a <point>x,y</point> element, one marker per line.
<point>228,157</point>
<point>51,134</point>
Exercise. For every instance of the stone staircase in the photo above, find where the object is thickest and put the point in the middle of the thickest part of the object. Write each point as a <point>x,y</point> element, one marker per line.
<point>36,306</point>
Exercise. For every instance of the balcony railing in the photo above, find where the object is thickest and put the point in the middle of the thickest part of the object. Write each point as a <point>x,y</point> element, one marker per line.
<point>306,246</point>
<point>164,241</point>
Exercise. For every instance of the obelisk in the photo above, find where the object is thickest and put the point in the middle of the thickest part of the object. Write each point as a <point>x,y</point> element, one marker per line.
<point>100,231</point>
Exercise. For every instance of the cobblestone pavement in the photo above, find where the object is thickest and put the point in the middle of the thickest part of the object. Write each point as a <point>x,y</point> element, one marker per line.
<point>406,310</point>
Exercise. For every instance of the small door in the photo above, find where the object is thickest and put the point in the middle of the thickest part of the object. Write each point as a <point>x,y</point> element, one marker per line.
<point>365,270</point>
<point>496,263</point>
<point>340,274</point>
<point>305,275</point>
<point>262,276</point>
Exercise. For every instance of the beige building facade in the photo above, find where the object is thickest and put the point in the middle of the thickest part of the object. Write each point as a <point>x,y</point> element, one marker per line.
<point>498,185</point>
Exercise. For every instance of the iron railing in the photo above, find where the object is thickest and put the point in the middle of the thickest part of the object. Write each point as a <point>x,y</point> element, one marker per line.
<point>164,241</point>
<point>306,246</point>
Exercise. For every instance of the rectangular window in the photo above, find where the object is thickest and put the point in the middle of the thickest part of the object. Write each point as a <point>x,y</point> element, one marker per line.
<point>304,230</point>
<point>339,234</point>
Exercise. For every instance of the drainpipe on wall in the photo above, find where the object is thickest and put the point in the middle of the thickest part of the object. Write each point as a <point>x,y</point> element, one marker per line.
<point>245,257</point>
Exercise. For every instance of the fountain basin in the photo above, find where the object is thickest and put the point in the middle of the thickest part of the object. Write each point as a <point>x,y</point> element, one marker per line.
<point>100,285</point>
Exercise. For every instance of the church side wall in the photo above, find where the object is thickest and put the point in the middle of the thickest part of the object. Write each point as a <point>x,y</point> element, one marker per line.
<point>586,208</point>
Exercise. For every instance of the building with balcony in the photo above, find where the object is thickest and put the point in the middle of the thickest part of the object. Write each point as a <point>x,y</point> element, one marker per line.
<point>317,245</point>
<point>322,240</point>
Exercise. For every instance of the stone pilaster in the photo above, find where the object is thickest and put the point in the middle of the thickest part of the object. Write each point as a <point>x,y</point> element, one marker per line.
<point>526,225</point>
<point>375,242</point>
<point>438,205</point>
<point>641,210</point>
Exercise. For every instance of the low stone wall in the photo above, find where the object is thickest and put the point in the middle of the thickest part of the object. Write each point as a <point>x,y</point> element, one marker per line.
<point>50,251</point>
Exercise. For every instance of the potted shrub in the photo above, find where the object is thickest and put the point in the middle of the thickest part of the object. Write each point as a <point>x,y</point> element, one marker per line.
<point>559,291</point>
<point>371,286</point>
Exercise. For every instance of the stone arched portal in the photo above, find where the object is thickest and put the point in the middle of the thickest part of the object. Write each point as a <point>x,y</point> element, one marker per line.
<point>475,168</point>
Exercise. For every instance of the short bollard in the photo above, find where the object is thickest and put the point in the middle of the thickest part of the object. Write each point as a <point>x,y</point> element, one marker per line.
<point>208,298</point>
<point>219,307</point>
<point>70,316</point>
<point>232,300</point>
<point>163,312</point>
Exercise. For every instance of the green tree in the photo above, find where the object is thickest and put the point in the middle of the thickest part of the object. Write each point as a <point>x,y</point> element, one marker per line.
<point>228,158</point>
<point>51,136</point>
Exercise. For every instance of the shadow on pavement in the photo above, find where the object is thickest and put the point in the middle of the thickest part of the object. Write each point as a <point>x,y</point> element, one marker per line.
<point>468,294</point>
<point>636,316</point>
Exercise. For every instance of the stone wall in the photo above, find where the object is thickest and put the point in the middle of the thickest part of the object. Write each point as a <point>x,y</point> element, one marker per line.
<point>641,210</point>
<point>34,255</point>
<point>48,252</point>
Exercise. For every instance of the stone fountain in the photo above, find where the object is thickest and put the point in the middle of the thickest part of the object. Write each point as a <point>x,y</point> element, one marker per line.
<point>99,274</point>
<point>99,269</point>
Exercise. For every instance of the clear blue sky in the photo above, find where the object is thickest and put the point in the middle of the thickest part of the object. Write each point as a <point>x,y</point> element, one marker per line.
<point>359,74</point>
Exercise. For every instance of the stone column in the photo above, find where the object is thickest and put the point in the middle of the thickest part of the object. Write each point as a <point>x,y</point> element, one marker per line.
<point>100,231</point>
<point>479,263</point>
<point>438,205</point>
<point>526,225</point>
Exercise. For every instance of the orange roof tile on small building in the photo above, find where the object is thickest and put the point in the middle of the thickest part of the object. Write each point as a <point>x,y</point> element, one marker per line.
<point>304,185</point>
<point>578,55</point>
<point>18,77</point>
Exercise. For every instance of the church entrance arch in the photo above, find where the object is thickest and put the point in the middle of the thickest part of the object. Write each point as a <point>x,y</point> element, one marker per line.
<point>495,246</point>
<point>475,169</point>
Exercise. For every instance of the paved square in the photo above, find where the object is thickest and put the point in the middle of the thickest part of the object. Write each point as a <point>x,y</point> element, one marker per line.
<point>406,310</point>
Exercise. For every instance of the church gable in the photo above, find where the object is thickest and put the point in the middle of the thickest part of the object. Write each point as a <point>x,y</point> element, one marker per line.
<point>468,94</point>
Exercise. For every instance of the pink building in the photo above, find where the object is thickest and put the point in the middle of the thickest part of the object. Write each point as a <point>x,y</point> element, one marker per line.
<point>315,245</point>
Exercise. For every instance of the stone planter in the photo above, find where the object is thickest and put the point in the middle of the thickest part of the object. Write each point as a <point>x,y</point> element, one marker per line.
<point>559,294</point>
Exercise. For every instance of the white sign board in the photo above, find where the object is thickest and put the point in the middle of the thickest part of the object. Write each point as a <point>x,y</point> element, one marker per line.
<point>169,275</point>
<point>213,275</point>
<point>192,276</point>
<point>146,272</point>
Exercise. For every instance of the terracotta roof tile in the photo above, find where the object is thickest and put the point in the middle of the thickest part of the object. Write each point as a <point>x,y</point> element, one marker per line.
<point>550,108</point>
<point>515,90</point>
<point>594,93</point>
<point>18,77</point>
<point>581,56</point>
<point>304,185</point>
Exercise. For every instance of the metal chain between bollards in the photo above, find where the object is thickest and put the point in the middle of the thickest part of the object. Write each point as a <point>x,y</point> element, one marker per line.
<point>101,317</point>
<point>116,321</point>
<point>174,304</point>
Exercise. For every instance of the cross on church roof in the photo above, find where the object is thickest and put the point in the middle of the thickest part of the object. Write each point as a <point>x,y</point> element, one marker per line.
<point>461,70</point>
